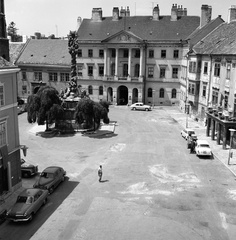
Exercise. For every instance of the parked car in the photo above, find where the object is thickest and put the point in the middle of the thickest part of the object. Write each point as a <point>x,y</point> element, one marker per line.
<point>27,204</point>
<point>186,132</point>
<point>50,178</point>
<point>28,169</point>
<point>140,106</point>
<point>203,148</point>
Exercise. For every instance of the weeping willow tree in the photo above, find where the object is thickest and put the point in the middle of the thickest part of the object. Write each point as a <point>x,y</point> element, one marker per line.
<point>44,107</point>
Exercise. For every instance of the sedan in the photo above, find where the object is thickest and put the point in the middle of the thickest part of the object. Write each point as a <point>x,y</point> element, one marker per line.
<point>28,169</point>
<point>186,132</point>
<point>203,148</point>
<point>27,204</point>
<point>140,106</point>
<point>50,178</point>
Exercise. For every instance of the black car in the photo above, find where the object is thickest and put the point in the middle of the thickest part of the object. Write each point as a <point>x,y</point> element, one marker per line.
<point>27,169</point>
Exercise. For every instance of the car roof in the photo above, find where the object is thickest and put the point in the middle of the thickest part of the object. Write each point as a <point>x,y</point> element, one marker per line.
<point>51,169</point>
<point>202,142</point>
<point>30,192</point>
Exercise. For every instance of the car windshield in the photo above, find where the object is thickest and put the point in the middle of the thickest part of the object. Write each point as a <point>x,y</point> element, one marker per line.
<point>204,145</point>
<point>47,175</point>
<point>24,199</point>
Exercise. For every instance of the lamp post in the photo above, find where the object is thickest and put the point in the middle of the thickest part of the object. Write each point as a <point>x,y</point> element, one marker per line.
<point>153,92</point>
<point>24,149</point>
<point>230,143</point>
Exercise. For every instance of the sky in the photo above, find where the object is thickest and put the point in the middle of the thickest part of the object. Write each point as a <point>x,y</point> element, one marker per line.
<point>58,17</point>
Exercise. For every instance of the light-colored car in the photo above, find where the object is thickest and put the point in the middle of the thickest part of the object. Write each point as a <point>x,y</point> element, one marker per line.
<point>28,202</point>
<point>203,148</point>
<point>186,132</point>
<point>50,178</point>
<point>140,106</point>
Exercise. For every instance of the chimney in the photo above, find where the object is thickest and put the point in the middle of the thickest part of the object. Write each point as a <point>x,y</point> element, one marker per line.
<point>174,13</point>
<point>127,12</point>
<point>97,15</point>
<point>122,12</point>
<point>232,13</point>
<point>115,14</point>
<point>79,21</point>
<point>185,12</point>
<point>156,13</point>
<point>206,15</point>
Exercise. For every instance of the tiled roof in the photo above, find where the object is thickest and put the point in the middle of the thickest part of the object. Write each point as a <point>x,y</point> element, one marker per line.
<point>45,52</point>
<point>15,49</point>
<point>200,33</point>
<point>141,26</point>
<point>221,41</point>
<point>5,64</point>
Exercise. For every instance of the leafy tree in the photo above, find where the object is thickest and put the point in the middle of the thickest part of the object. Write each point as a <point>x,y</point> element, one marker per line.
<point>12,32</point>
<point>44,106</point>
<point>90,113</point>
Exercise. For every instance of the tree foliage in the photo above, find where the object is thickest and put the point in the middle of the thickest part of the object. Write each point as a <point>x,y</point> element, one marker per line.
<point>12,32</point>
<point>44,106</point>
<point>90,113</point>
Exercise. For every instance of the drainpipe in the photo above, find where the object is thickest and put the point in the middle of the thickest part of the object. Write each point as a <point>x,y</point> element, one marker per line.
<point>145,69</point>
<point>209,98</point>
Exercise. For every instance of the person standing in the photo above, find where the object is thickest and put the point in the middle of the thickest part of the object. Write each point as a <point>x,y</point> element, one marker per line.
<point>100,173</point>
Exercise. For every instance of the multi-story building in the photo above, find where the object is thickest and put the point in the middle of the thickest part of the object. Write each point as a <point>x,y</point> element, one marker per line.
<point>10,160</point>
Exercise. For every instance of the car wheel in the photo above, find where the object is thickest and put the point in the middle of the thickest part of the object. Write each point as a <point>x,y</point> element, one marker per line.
<point>63,179</point>
<point>50,190</point>
<point>31,217</point>
<point>146,109</point>
<point>134,108</point>
<point>45,201</point>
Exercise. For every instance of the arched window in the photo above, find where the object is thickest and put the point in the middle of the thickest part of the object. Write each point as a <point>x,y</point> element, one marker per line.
<point>90,90</point>
<point>161,95</point>
<point>136,70</point>
<point>150,92</point>
<point>100,90</point>
<point>173,93</point>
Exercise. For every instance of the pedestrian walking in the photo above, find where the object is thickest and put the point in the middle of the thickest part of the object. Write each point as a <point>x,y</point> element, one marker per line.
<point>100,173</point>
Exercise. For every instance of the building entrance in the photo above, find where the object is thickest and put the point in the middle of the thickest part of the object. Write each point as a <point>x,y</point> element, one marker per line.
<point>122,95</point>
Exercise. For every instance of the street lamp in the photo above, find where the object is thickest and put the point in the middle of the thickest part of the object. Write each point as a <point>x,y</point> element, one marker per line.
<point>230,143</point>
<point>153,92</point>
<point>24,149</point>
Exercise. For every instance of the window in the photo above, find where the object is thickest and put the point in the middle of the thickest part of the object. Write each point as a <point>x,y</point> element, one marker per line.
<point>162,72</point>
<point>214,97</point>
<point>101,70</point>
<point>176,54</point>
<point>137,53</point>
<point>24,89</point>
<point>217,70</point>
<point>90,53</point>
<point>126,53</point>
<point>38,76</point>
<point>173,93</point>
<point>3,134</point>
<point>175,72</point>
<point>151,53</point>
<point>90,70</point>
<point>90,90</point>
<point>161,93</point>
<point>24,76</point>
<point>191,88</point>
<point>226,102</point>
<point>228,69</point>
<point>53,77</point>
<point>2,102</point>
<point>150,92</point>
<point>100,90</point>
<point>205,70</point>
<point>113,53</point>
<point>163,53</point>
<point>150,72</point>
<point>113,69</point>
<point>192,67</point>
<point>79,52</point>
<point>204,91</point>
<point>80,69</point>
<point>125,70</point>
<point>101,53</point>
<point>65,77</point>
<point>136,70</point>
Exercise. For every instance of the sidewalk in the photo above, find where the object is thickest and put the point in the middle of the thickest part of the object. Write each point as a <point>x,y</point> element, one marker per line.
<point>218,152</point>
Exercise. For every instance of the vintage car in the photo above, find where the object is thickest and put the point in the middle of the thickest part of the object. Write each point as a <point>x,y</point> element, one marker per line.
<point>50,178</point>
<point>28,202</point>
<point>28,169</point>
<point>186,132</point>
<point>203,148</point>
<point>140,106</point>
